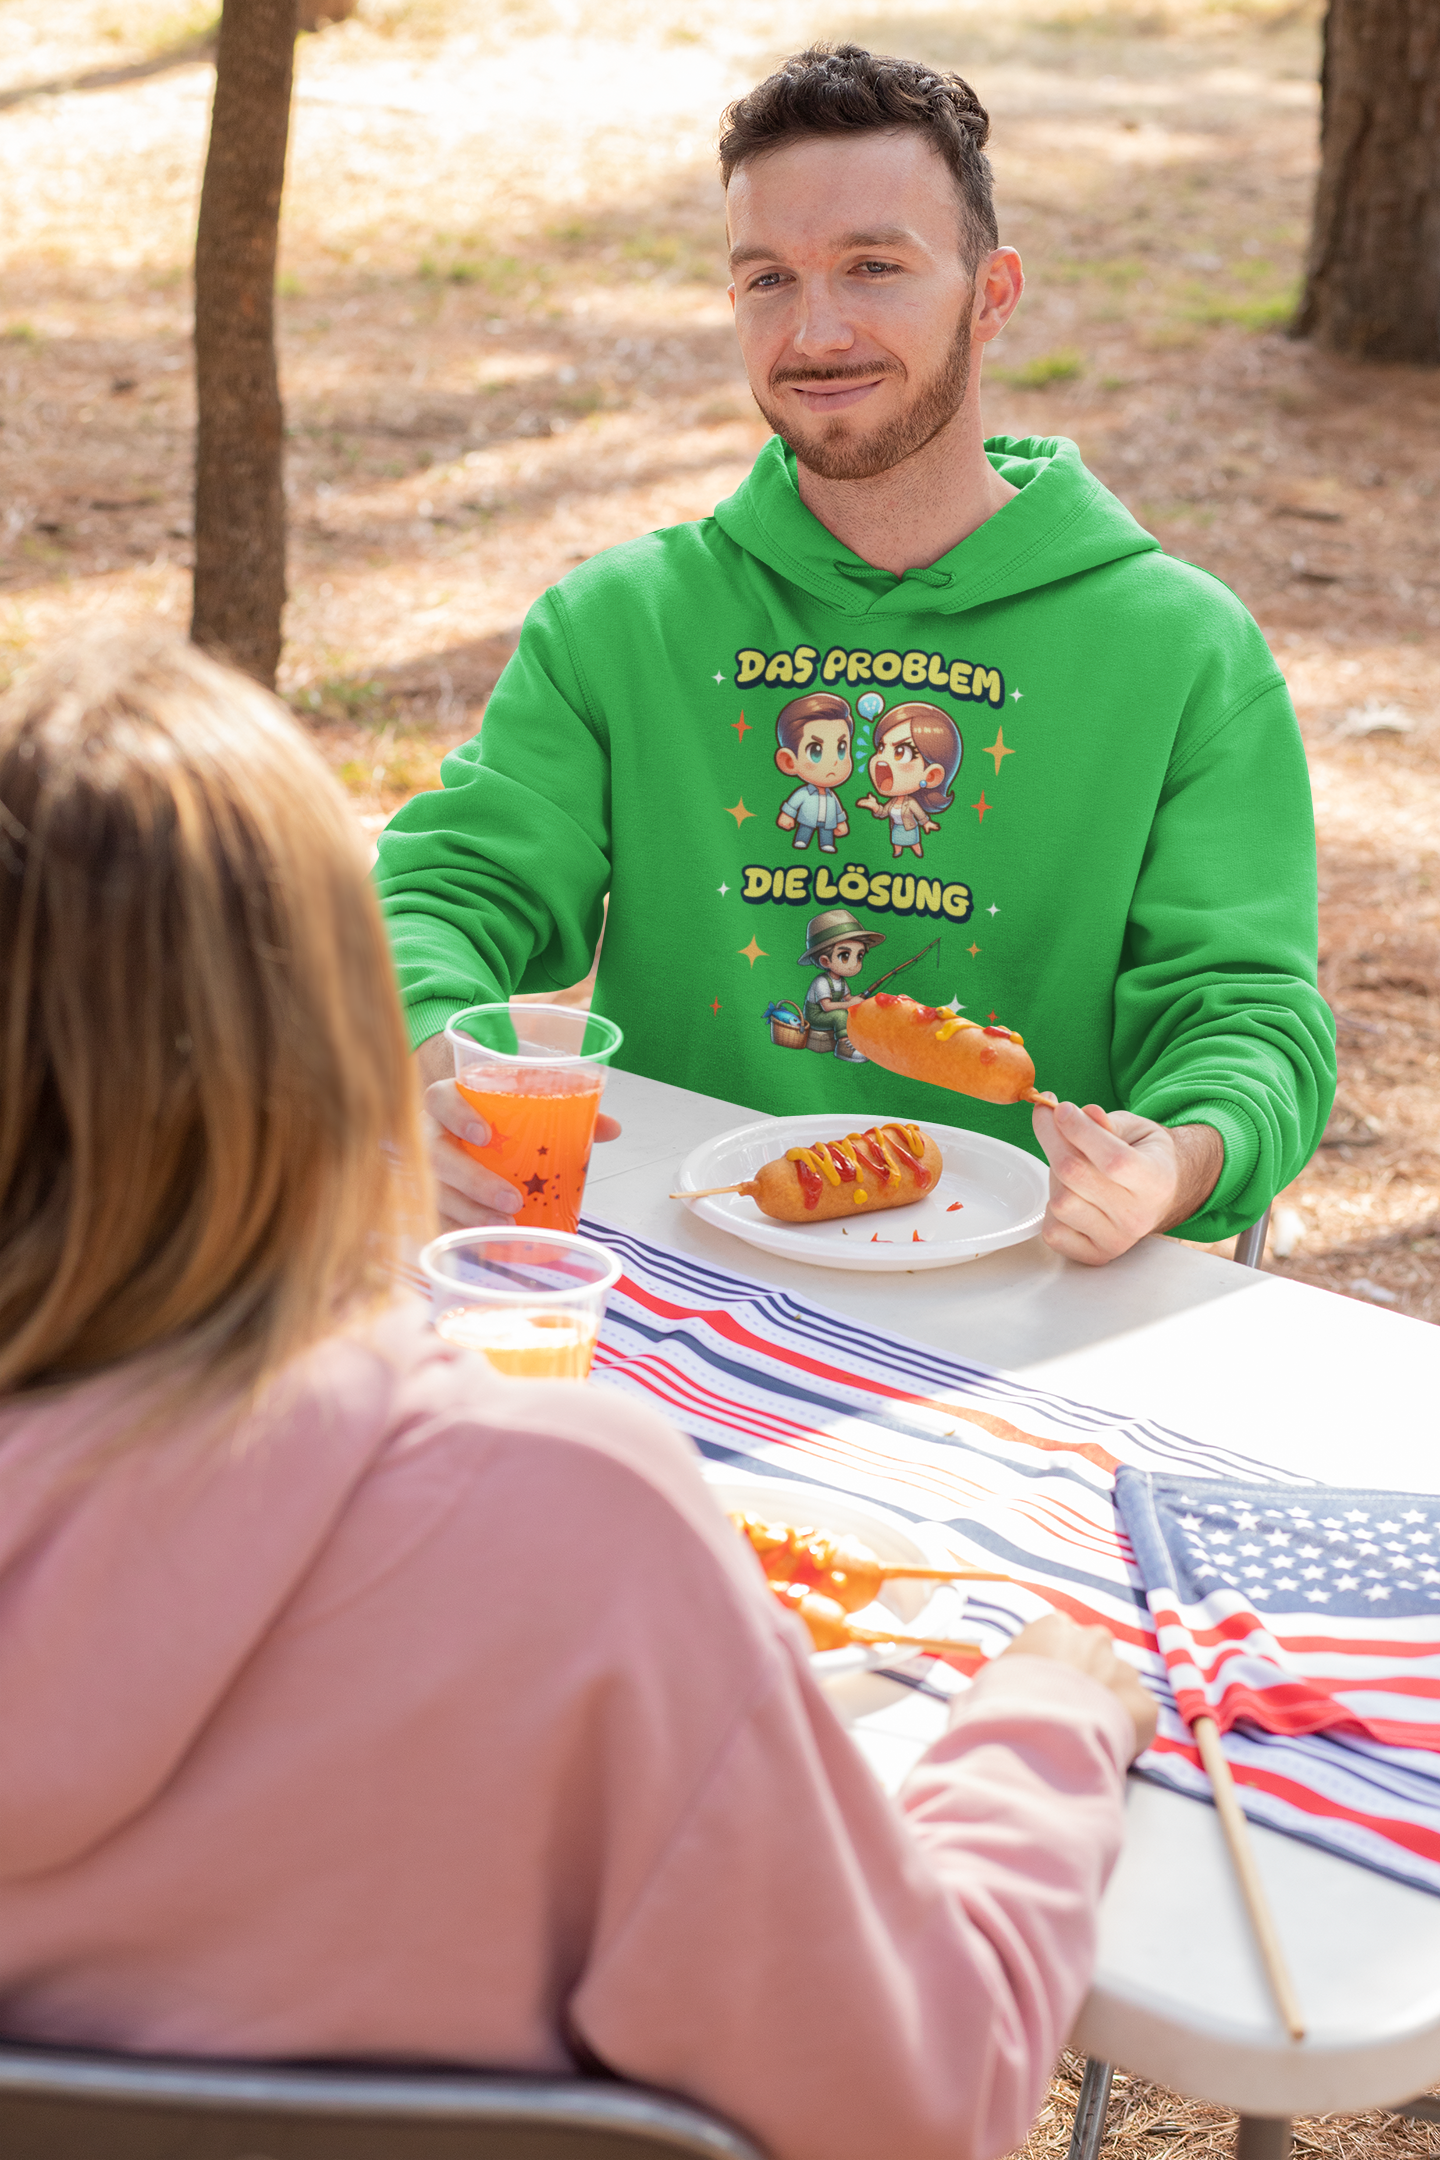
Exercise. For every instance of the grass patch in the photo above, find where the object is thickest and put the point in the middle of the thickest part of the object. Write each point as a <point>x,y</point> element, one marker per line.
<point>1265,311</point>
<point>360,699</point>
<point>502,275</point>
<point>400,764</point>
<point>1047,368</point>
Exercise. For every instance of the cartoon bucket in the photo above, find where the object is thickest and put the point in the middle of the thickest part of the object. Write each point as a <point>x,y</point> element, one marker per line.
<point>788,1027</point>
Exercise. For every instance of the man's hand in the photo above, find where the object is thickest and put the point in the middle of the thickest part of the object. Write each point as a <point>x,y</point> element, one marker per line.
<point>467,1195</point>
<point>1089,1650</point>
<point>785,821</point>
<point>1115,1177</point>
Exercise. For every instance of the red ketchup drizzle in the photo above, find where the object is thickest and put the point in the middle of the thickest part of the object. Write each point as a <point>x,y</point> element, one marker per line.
<point>874,1157</point>
<point>839,1161</point>
<point>922,1175</point>
<point>809,1184</point>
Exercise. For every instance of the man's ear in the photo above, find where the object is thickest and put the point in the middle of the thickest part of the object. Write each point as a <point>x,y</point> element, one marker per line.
<point>785,759</point>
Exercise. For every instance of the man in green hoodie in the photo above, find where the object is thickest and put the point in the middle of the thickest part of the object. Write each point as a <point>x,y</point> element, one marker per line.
<point>1132,880</point>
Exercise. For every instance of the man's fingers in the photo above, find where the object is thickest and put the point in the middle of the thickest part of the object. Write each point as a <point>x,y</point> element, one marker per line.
<point>1094,1141</point>
<point>444,1102</point>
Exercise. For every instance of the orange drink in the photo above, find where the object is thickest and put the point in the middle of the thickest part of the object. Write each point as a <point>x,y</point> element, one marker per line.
<point>530,1301</point>
<point>541,1125</point>
<point>527,1343</point>
<point>534,1073</point>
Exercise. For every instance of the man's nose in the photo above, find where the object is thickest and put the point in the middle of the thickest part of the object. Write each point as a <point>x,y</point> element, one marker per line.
<point>822,328</point>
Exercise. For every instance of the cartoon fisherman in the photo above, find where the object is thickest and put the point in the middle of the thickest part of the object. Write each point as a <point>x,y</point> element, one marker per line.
<point>837,943</point>
<point>815,734</point>
<point>917,754</point>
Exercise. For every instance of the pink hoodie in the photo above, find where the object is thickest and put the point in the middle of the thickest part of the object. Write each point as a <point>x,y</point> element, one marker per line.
<point>443,1716</point>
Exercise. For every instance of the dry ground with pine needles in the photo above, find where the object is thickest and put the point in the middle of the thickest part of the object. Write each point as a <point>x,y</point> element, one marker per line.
<point>506,345</point>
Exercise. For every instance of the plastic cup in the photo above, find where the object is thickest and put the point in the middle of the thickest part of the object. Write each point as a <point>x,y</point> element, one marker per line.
<point>535,1073</point>
<point>531,1301</point>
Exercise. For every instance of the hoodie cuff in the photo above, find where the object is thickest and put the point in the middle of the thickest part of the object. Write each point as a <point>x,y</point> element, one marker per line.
<point>1237,1200</point>
<point>430,1015</point>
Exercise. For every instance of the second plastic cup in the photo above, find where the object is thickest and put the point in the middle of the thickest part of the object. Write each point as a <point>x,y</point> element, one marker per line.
<point>530,1300</point>
<point>535,1073</point>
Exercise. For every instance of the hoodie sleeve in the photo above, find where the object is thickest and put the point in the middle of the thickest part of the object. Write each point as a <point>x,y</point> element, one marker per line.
<point>495,882</point>
<point>1218,1020</point>
<point>844,1982</point>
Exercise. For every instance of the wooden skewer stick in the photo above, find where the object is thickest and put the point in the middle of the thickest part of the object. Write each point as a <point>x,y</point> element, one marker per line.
<point>938,1574</point>
<point>1252,1890</point>
<point>934,1645</point>
<point>1030,1095</point>
<point>708,1192</point>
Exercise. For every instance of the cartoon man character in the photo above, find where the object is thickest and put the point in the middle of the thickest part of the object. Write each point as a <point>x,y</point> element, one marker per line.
<point>917,754</point>
<point>816,735</point>
<point>836,942</point>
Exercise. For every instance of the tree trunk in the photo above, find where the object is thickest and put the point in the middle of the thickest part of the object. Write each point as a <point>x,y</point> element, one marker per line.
<point>1372,286</point>
<point>239,485</point>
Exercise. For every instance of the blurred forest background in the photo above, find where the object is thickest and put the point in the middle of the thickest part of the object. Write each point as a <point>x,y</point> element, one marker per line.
<point>505,344</point>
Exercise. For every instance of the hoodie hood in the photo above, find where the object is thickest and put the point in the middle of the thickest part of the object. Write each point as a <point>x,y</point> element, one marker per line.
<point>189,1546</point>
<point>1061,522</point>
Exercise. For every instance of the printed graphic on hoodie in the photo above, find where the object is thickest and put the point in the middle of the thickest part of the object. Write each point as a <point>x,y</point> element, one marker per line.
<point>910,752</point>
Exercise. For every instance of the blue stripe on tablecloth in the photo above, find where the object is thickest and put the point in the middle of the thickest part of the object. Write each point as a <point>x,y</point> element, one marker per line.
<point>812,1325</point>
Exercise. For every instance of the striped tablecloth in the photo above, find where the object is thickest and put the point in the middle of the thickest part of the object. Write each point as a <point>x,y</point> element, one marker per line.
<point>1015,1476</point>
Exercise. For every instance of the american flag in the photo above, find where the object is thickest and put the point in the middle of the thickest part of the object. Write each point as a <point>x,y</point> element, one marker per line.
<point>1297,1611</point>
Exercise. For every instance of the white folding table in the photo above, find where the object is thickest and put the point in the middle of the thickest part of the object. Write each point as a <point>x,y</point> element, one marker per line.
<point>1311,1382</point>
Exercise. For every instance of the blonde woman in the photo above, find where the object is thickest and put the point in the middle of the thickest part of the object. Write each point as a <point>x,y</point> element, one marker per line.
<point>357,1702</point>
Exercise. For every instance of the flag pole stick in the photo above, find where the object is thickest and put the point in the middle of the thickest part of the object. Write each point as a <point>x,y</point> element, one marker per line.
<point>1252,1891</point>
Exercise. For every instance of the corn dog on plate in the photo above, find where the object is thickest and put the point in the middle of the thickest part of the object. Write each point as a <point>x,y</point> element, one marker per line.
<point>915,1608</point>
<point>988,1194</point>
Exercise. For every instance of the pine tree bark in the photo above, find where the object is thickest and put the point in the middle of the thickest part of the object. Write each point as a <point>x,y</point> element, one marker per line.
<point>1372,286</point>
<point>239,446</point>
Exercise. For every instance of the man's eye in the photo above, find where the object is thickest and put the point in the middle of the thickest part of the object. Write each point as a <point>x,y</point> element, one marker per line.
<point>814,752</point>
<point>877,269</point>
<point>766,279</point>
<point>842,747</point>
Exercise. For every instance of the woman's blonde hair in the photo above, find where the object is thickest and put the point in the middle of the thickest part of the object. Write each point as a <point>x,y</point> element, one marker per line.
<point>209,1134</point>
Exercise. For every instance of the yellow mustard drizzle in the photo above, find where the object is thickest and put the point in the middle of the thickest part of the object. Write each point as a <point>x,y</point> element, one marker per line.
<point>814,1159</point>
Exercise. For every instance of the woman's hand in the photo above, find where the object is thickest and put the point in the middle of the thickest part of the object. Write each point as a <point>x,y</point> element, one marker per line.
<point>1089,1650</point>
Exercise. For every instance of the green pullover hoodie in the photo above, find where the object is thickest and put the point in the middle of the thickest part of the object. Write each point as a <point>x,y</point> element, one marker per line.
<point>1060,759</point>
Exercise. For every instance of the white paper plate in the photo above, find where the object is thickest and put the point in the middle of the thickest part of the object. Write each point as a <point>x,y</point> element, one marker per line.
<point>919,1608</point>
<point>1002,1192</point>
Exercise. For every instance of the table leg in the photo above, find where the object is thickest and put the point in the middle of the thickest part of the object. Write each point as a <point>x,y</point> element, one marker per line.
<point>1263,2137</point>
<point>1090,2109</point>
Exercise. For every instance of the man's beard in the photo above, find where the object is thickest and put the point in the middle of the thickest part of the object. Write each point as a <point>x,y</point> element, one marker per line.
<point>831,453</point>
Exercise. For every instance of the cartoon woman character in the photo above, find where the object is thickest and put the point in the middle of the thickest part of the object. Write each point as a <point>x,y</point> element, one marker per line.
<point>917,754</point>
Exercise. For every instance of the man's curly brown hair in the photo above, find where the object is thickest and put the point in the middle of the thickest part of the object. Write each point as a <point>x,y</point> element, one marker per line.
<point>845,90</point>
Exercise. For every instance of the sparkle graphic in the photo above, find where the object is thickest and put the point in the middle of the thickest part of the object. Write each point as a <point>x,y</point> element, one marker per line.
<point>718,678</point>
<point>753,952</point>
<point>738,811</point>
<point>742,727</point>
<point>722,890</point>
<point>992,1019</point>
<point>955,1004</point>
<point>992,909</point>
<point>1017,695</point>
<point>716,1006</point>
<point>982,806</point>
<point>999,748</point>
<point>972,950</point>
